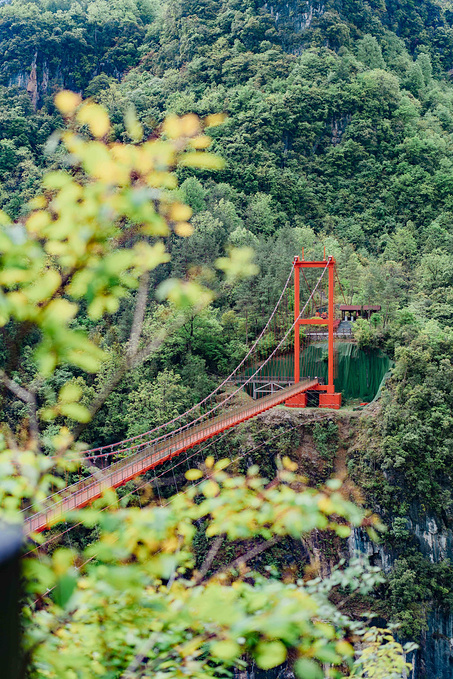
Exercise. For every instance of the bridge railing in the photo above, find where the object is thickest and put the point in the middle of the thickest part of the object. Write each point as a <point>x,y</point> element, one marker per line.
<point>88,489</point>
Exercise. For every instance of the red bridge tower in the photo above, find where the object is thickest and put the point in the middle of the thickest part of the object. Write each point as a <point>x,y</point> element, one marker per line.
<point>328,398</point>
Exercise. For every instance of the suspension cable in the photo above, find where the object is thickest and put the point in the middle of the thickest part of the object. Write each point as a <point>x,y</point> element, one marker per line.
<point>70,490</point>
<point>339,283</point>
<point>197,405</point>
<point>236,391</point>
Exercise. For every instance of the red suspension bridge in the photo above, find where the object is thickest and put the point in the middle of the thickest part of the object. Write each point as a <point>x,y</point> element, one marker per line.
<point>276,370</point>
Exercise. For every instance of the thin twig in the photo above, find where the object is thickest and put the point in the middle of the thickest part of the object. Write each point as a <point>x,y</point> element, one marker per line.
<point>137,660</point>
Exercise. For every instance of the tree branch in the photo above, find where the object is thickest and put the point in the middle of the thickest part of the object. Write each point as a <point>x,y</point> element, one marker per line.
<point>28,397</point>
<point>211,555</point>
<point>262,547</point>
<point>139,315</point>
<point>22,393</point>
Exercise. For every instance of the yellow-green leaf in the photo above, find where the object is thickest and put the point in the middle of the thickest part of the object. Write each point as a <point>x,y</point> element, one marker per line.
<point>70,392</point>
<point>150,256</point>
<point>226,650</point>
<point>96,117</point>
<point>67,102</point>
<point>204,161</point>
<point>133,126</point>
<point>307,669</point>
<point>238,265</point>
<point>193,474</point>
<point>270,654</point>
<point>76,411</point>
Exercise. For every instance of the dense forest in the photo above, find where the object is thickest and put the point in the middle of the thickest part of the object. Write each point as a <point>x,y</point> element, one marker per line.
<point>336,128</point>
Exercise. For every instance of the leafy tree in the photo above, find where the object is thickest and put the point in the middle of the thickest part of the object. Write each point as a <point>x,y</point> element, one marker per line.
<point>363,333</point>
<point>381,657</point>
<point>369,52</point>
<point>414,80</point>
<point>156,402</point>
<point>402,246</point>
<point>260,214</point>
<point>57,283</point>
<point>194,194</point>
<point>425,64</point>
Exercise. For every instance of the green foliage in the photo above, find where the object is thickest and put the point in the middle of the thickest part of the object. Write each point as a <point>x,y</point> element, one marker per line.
<point>338,132</point>
<point>323,125</point>
<point>47,267</point>
<point>157,613</point>
<point>70,42</point>
<point>363,333</point>
<point>416,420</point>
<point>67,266</point>
<point>409,443</point>
<point>369,52</point>
<point>414,584</point>
<point>325,437</point>
<point>91,237</point>
<point>156,402</point>
<point>382,657</point>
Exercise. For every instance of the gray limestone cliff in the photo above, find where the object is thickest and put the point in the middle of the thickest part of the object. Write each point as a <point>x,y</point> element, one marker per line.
<point>434,658</point>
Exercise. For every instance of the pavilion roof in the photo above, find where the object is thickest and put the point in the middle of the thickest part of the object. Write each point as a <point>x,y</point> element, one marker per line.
<point>360,307</point>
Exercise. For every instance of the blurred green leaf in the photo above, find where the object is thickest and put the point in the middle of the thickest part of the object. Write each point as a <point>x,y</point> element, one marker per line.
<point>270,654</point>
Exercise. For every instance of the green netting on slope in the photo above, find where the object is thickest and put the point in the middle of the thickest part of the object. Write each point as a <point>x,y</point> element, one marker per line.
<point>359,373</point>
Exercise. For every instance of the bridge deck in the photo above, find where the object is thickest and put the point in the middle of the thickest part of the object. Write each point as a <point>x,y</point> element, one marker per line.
<point>90,488</point>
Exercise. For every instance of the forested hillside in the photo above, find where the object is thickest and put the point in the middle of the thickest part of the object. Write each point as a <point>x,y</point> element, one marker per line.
<point>338,132</point>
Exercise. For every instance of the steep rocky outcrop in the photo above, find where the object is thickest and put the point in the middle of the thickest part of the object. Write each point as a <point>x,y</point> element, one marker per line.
<point>428,534</point>
<point>39,81</point>
<point>297,15</point>
<point>293,19</point>
<point>434,658</point>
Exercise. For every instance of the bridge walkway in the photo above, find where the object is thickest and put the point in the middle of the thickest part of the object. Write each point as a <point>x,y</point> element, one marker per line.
<point>156,452</point>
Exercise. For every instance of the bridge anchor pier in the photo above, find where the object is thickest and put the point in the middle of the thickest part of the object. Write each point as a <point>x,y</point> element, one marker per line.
<point>325,401</point>
<point>330,400</point>
<point>298,401</point>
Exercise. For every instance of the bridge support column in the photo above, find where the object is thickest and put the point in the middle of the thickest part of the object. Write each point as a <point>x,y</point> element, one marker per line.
<point>296,321</point>
<point>328,397</point>
<point>298,401</point>
<point>330,327</point>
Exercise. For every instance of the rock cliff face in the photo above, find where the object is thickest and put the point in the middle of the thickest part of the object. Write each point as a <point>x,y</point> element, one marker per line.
<point>434,538</point>
<point>293,18</point>
<point>434,659</point>
<point>37,80</point>
<point>298,14</point>
<point>41,79</point>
